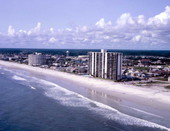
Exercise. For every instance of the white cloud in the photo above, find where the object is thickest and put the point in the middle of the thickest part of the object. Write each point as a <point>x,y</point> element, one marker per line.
<point>125,19</point>
<point>52,30</point>
<point>11,31</point>
<point>115,40</point>
<point>101,23</point>
<point>52,40</point>
<point>68,29</point>
<point>161,19</point>
<point>128,32</point>
<point>84,29</point>
<point>38,27</point>
<point>35,30</point>
<point>141,19</point>
<point>136,38</point>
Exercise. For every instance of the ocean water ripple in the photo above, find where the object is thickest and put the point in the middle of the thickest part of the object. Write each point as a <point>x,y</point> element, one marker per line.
<point>72,99</point>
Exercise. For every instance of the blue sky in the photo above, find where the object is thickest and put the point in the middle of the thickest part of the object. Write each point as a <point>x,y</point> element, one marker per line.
<point>113,24</point>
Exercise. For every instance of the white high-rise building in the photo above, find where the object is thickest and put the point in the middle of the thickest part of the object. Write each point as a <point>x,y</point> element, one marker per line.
<point>36,59</point>
<point>107,65</point>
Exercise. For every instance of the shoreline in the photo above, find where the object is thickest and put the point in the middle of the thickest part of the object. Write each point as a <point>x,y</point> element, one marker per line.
<point>98,83</point>
<point>157,101</point>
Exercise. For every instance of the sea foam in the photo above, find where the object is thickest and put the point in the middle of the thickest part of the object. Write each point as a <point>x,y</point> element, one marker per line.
<point>32,87</point>
<point>15,77</point>
<point>70,98</point>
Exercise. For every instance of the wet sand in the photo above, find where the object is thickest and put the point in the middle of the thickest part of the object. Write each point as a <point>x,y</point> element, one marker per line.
<point>137,99</point>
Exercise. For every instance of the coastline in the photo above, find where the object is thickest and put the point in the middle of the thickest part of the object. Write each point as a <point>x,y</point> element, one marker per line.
<point>157,100</point>
<point>99,83</point>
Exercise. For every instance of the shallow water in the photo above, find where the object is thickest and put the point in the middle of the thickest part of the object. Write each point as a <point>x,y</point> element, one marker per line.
<point>30,101</point>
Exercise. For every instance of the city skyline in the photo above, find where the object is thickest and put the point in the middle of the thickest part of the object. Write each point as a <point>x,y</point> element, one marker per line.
<point>85,24</point>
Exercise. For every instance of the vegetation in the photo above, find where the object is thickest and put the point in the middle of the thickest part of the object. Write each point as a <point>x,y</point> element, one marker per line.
<point>151,82</point>
<point>141,68</point>
<point>163,79</point>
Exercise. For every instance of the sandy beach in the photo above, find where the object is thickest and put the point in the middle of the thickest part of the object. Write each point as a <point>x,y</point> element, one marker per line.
<point>153,101</point>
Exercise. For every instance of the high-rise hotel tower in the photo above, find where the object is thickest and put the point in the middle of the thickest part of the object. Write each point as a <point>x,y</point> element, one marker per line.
<point>107,65</point>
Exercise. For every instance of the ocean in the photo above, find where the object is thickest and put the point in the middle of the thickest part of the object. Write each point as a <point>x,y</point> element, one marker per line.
<point>76,52</point>
<point>35,102</point>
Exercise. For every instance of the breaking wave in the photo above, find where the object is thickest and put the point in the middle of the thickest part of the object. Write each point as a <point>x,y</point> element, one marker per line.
<point>15,77</point>
<point>70,98</point>
<point>32,87</point>
<point>73,99</point>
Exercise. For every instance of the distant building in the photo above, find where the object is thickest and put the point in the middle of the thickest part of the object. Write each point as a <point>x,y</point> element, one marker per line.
<point>107,65</point>
<point>36,59</point>
<point>3,57</point>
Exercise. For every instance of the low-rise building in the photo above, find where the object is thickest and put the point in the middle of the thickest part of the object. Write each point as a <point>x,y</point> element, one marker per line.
<point>36,59</point>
